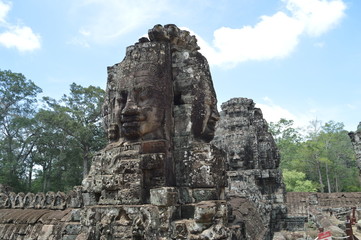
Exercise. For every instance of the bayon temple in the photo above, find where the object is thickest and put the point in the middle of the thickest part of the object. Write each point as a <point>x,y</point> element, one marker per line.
<point>174,167</point>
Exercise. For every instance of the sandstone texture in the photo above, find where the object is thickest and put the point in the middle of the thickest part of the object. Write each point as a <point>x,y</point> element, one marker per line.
<point>330,211</point>
<point>356,142</point>
<point>159,178</point>
<point>255,190</point>
<point>40,216</point>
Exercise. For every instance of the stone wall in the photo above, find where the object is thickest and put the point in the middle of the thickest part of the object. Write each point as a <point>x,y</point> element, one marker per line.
<point>49,200</point>
<point>255,188</point>
<point>40,216</point>
<point>299,204</point>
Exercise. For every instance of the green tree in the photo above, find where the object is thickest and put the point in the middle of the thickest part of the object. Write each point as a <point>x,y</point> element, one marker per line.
<point>325,155</point>
<point>288,140</point>
<point>296,182</point>
<point>78,117</point>
<point>17,131</point>
<point>340,169</point>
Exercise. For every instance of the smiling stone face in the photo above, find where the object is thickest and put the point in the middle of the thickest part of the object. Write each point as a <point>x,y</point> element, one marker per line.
<point>142,113</point>
<point>140,94</point>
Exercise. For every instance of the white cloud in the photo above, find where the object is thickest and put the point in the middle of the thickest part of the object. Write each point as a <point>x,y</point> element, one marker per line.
<point>274,36</point>
<point>111,19</point>
<point>21,37</point>
<point>4,9</point>
<point>273,113</point>
<point>318,16</point>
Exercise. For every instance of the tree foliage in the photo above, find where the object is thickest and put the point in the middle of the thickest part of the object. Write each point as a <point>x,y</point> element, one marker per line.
<point>17,131</point>
<point>47,147</point>
<point>324,155</point>
<point>78,116</point>
<point>296,182</point>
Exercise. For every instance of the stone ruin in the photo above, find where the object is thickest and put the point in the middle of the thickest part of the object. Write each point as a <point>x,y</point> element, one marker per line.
<point>328,211</point>
<point>161,176</point>
<point>356,142</point>
<point>255,189</point>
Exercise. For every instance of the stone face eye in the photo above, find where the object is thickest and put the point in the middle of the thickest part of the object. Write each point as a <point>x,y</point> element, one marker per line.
<point>143,95</point>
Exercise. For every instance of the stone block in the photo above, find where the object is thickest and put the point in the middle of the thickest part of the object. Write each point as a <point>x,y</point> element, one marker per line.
<point>131,196</point>
<point>75,215</point>
<point>46,232</point>
<point>93,183</point>
<point>204,212</point>
<point>109,197</point>
<point>122,232</point>
<point>4,200</point>
<point>112,182</point>
<point>185,195</point>
<point>127,166</point>
<point>204,194</point>
<point>180,230</point>
<point>187,211</point>
<point>69,237</point>
<point>164,196</point>
<point>131,180</point>
<point>152,161</point>
<point>153,147</point>
<point>71,229</point>
<point>90,199</point>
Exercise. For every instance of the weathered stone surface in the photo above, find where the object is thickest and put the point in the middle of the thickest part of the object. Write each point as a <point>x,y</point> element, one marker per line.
<point>255,189</point>
<point>159,167</point>
<point>356,142</point>
<point>243,134</point>
<point>323,210</point>
<point>36,224</point>
<point>166,196</point>
<point>342,202</point>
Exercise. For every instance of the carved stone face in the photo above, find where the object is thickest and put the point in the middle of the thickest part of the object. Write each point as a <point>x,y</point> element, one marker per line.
<point>142,109</point>
<point>210,121</point>
<point>204,112</point>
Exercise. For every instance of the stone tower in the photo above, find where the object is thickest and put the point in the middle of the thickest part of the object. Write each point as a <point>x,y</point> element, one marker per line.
<point>255,193</point>
<point>159,177</point>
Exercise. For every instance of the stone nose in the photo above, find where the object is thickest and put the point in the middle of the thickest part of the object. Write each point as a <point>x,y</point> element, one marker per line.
<point>130,108</point>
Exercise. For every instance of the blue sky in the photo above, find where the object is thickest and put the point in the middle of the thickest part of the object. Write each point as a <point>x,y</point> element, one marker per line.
<point>297,59</point>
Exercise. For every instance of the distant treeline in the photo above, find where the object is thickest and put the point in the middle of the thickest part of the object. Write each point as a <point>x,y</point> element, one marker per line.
<point>47,144</point>
<point>320,158</point>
